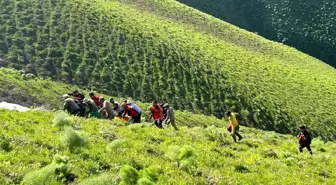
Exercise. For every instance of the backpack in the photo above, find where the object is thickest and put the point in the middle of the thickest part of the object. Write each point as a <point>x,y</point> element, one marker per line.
<point>302,139</point>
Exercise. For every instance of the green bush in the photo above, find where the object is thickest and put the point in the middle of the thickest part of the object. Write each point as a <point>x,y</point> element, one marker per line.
<point>186,152</point>
<point>117,144</point>
<point>151,173</point>
<point>103,179</point>
<point>51,174</point>
<point>182,155</point>
<point>129,175</point>
<point>270,153</point>
<point>73,139</point>
<point>145,181</point>
<point>241,168</point>
<point>5,144</point>
<point>62,119</point>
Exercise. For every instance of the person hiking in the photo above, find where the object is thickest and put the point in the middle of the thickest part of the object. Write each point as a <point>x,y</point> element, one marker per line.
<point>93,109</point>
<point>118,109</point>
<point>170,116</point>
<point>304,139</point>
<point>79,97</point>
<point>234,126</point>
<point>96,99</point>
<point>70,105</point>
<point>157,114</point>
<point>131,105</point>
<point>108,108</point>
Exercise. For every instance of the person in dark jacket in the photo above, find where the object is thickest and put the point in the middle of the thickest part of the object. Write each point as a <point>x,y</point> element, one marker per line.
<point>79,97</point>
<point>70,105</point>
<point>304,139</point>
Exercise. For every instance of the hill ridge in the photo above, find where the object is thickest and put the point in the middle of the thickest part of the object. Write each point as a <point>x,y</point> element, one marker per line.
<point>116,49</point>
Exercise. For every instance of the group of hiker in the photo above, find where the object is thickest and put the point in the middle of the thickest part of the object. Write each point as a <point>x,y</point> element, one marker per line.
<point>75,103</point>
<point>303,137</point>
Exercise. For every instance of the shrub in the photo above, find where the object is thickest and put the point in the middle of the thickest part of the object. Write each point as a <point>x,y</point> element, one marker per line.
<point>151,173</point>
<point>62,119</point>
<point>186,152</point>
<point>241,168</point>
<point>145,181</point>
<point>117,144</point>
<point>178,154</point>
<point>290,161</point>
<point>129,175</point>
<point>51,174</point>
<point>73,139</point>
<point>5,144</point>
<point>270,153</point>
<point>103,179</point>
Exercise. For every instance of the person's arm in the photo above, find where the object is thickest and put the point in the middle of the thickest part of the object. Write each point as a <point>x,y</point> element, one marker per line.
<point>308,136</point>
<point>103,108</point>
<point>233,129</point>
<point>169,115</point>
<point>65,105</point>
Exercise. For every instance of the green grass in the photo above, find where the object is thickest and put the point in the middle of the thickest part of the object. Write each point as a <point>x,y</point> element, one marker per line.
<point>192,60</point>
<point>141,153</point>
<point>307,26</point>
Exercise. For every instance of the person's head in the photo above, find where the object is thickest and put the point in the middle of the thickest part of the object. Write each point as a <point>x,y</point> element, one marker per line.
<point>65,96</point>
<point>128,102</point>
<point>102,99</point>
<point>111,100</point>
<point>76,92</point>
<point>228,113</point>
<point>302,128</point>
<point>91,94</point>
<point>154,103</point>
<point>86,100</point>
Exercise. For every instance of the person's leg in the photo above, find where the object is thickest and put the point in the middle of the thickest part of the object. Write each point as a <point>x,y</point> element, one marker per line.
<point>75,113</point>
<point>300,148</point>
<point>173,124</point>
<point>139,117</point>
<point>233,134</point>
<point>309,149</point>
<point>95,114</point>
<point>158,124</point>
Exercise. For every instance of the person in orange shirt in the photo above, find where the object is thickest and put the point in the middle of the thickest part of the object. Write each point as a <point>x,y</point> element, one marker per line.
<point>234,126</point>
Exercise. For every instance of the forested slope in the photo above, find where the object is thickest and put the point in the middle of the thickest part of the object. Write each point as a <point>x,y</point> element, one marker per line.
<point>306,25</point>
<point>179,55</point>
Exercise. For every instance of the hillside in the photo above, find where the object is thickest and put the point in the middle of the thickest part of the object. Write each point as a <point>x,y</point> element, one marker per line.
<point>306,25</point>
<point>164,50</point>
<point>92,152</point>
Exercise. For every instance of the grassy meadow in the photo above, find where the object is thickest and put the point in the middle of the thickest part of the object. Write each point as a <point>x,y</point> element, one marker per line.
<point>53,148</point>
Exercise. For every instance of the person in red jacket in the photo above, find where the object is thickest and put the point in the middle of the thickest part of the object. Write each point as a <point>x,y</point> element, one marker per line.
<point>96,99</point>
<point>157,114</point>
<point>130,112</point>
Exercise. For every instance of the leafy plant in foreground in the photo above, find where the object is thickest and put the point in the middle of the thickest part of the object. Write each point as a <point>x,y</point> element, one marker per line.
<point>51,174</point>
<point>73,140</point>
<point>62,119</point>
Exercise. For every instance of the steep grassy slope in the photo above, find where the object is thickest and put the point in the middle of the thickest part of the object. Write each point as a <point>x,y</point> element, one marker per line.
<point>196,155</point>
<point>171,52</point>
<point>306,25</point>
